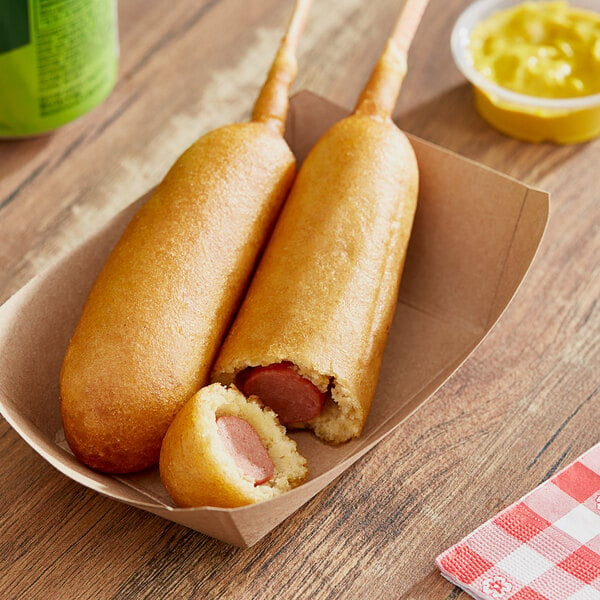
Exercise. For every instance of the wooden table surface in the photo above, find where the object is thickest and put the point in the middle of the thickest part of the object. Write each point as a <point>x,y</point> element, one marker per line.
<point>525,403</point>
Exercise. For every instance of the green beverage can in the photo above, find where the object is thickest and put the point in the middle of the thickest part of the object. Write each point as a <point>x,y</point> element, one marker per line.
<point>58,60</point>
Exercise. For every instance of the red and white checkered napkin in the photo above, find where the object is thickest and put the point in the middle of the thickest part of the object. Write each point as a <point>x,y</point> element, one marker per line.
<point>546,546</point>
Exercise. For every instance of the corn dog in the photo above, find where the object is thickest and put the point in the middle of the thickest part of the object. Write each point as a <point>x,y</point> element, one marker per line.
<point>160,307</point>
<point>309,337</point>
<point>224,450</point>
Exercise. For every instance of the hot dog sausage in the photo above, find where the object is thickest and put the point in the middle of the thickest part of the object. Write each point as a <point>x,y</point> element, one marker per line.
<point>246,447</point>
<point>280,386</point>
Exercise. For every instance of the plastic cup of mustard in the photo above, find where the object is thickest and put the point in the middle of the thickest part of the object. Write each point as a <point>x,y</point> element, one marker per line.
<point>534,66</point>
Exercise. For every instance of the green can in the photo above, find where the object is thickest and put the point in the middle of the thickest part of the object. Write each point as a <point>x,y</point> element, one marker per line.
<point>58,60</point>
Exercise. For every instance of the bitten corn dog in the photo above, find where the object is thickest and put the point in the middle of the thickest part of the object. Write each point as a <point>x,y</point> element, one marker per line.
<point>159,309</point>
<point>309,336</point>
<point>224,450</point>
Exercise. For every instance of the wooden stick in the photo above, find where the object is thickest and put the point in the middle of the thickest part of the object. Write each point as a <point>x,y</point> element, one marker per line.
<point>407,24</point>
<point>296,25</point>
<point>379,96</point>
<point>273,101</point>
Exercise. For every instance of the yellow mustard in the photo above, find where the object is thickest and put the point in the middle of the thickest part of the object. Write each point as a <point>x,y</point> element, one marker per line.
<point>543,49</point>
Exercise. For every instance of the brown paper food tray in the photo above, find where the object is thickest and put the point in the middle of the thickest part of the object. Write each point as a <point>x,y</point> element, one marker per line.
<point>475,235</point>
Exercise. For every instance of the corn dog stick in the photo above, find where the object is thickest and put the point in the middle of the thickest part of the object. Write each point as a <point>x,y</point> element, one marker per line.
<point>161,305</point>
<point>273,101</point>
<point>379,96</point>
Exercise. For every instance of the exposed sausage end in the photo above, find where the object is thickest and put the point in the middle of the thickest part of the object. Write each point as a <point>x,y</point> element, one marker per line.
<point>282,388</point>
<point>245,446</point>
